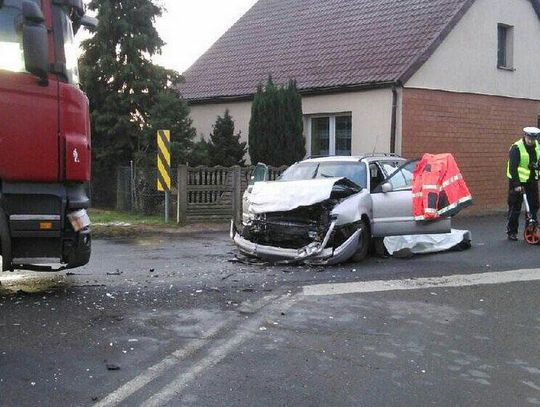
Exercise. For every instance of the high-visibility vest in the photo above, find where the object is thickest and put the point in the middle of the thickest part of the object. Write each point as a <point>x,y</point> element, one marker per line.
<point>524,171</point>
<point>439,189</point>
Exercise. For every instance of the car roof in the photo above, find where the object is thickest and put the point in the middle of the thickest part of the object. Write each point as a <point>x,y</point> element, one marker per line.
<point>369,157</point>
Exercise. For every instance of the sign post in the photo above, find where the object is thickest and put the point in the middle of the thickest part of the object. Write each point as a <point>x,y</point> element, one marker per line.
<point>164,166</point>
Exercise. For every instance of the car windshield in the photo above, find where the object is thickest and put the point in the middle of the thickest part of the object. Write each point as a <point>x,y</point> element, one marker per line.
<point>353,171</point>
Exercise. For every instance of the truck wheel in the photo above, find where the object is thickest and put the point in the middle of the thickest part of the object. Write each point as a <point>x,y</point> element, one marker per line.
<point>5,242</point>
<point>365,242</point>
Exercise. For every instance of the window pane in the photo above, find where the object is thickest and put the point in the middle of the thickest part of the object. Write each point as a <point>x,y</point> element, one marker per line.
<point>320,136</point>
<point>260,173</point>
<point>12,57</point>
<point>403,178</point>
<point>343,135</point>
<point>501,57</point>
<point>389,167</point>
<point>71,49</point>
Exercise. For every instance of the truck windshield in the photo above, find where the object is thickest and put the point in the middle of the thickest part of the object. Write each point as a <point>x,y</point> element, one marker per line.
<point>11,39</point>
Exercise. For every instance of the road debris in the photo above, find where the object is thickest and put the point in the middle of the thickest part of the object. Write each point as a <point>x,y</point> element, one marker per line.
<point>112,366</point>
<point>116,273</point>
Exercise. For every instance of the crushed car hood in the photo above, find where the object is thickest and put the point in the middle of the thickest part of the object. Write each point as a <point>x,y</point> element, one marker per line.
<point>283,196</point>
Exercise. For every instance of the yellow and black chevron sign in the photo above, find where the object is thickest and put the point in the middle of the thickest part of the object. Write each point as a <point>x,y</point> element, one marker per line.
<point>164,160</point>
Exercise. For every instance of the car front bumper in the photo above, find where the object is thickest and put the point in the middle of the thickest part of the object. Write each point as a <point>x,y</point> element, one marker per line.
<point>314,253</point>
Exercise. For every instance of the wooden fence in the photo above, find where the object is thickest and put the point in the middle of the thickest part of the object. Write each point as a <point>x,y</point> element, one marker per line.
<point>213,193</point>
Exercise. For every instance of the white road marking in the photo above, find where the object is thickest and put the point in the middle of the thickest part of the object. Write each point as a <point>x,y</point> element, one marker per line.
<point>422,283</point>
<point>216,354</point>
<point>157,370</point>
<point>251,327</point>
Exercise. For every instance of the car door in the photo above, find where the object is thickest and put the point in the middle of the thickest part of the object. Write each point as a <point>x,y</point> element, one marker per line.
<point>259,173</point>
<point>393,207</point>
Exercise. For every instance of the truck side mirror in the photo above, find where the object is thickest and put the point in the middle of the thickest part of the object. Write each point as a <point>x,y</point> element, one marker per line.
<point>35,41</point>
<point>77,14</point>
<point>88,22</point>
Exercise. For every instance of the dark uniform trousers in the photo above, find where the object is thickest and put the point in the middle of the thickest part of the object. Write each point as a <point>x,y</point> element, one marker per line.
<point>515,202</point>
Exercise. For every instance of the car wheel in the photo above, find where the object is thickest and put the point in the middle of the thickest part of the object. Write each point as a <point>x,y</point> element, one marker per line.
<point>365,241</point>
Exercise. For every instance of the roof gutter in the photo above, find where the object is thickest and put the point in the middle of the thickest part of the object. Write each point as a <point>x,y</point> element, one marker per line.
<point>304,92</point>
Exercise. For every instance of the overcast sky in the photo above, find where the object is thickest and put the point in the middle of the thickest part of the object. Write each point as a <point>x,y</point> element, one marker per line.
<point>190,27</point>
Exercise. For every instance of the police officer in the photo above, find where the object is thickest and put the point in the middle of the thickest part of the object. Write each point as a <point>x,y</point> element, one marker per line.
<point>522,171</point>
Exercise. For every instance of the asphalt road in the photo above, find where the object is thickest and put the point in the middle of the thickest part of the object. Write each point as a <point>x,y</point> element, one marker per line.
<point>178,321</point>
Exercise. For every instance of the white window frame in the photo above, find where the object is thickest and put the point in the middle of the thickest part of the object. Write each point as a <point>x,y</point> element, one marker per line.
<point>332,130</point>
<point>508,47</point>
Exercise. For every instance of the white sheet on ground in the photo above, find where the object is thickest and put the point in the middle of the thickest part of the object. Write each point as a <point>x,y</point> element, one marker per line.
<point>282,196</point>
<point>421,244</point>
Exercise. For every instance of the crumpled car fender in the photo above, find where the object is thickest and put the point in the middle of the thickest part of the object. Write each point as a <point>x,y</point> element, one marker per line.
<point>351,209</point>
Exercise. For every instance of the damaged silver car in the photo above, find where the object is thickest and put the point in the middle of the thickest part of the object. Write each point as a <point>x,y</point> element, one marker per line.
<point>329,210</point>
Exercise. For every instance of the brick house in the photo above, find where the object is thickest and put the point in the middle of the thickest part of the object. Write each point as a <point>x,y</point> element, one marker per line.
<point>405,76</point>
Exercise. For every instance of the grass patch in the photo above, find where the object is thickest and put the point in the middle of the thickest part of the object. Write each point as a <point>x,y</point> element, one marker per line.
<point>111,224</point>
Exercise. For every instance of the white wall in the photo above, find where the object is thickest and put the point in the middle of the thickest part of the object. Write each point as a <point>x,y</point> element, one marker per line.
<point>371,116</point>
<point>204,117</point>
<point>467,60</point>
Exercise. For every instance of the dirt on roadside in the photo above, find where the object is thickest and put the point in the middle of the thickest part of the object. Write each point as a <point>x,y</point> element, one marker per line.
<point>134,231</point>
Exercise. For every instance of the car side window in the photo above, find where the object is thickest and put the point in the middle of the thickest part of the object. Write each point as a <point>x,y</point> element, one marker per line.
<point>260,173</point>
<point>402,178</point>
<point>375,176</point>
<point>389,167</point>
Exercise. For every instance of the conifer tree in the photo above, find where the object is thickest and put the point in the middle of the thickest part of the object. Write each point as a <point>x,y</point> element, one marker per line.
<point>199,154</point>
<point>276,125</point>
<point>295,143</point>
<point>130,97</point>
<point>225,147</point>
<point>256,138</point>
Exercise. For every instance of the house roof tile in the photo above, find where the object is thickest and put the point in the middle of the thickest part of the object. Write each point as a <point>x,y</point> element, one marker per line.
<point>323,44</point>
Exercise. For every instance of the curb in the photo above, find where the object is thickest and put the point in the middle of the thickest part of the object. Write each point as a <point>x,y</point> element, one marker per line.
<point>134,231</point>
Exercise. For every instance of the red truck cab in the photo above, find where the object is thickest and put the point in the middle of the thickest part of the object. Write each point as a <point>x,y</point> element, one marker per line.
<point>45,149</point>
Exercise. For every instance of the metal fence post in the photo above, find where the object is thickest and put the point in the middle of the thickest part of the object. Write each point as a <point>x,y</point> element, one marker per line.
<point>119,190</point>
<point>122,189</point>
<point>182,200</point>
<point>132,198</point>
<point>237,193</point>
